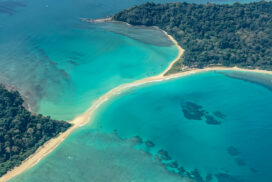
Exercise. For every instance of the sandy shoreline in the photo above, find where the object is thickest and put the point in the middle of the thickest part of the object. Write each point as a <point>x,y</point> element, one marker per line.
<point>84,118</point>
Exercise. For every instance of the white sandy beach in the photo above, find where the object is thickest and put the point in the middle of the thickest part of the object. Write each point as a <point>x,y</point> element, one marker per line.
<point>86,117</point>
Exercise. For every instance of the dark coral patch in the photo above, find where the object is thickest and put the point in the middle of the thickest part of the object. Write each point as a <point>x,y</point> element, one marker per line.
<point>181,170</point>
<point>233,151</point>
<point>137,139</point>
<point>72,62</point>
<point>253,170</point>
<point>149,143</point>
<point>173,164</point>
<point>219,114</point>
<point>209,177</point>
<point>240,162</point>
<point>53,63</point>
<point>223,177</point>
<point>211,120</point>
<point>192,111</point>
<point>196,176</point>
<point>164,155</point>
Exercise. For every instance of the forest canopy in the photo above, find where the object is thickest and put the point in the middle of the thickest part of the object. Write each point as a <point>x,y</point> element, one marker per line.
<point>21,132</point>
<point>212,34</point>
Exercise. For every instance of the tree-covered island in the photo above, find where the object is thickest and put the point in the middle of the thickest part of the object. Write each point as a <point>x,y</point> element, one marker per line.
<point>212,34</point>
<point>21,132</point>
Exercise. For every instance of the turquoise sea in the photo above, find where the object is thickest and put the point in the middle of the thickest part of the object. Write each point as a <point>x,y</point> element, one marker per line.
<point>237,147</point>
<point>61,65</point>
<point>144,134</point>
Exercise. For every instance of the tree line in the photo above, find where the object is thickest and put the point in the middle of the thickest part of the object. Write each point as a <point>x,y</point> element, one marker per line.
<point>22,132</point>
<point>212,34</point>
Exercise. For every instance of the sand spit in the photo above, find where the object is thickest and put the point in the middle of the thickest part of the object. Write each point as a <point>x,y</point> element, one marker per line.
<point>86,117</point>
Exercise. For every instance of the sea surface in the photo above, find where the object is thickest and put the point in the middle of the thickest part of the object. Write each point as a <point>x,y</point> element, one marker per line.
<point>212,126</point>
<point>61,65</point>
<point>209,122</point>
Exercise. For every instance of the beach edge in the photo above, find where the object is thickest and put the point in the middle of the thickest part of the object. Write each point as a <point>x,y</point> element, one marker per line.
<point>86,117</point>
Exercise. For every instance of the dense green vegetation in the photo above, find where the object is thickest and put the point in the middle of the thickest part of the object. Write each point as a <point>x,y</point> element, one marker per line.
<point>212,34</point>
<point>21,133</point>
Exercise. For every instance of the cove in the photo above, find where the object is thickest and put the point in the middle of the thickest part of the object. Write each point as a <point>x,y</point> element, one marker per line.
<point>62,65</point>
<point>236,147</point>
<point>143,134</point>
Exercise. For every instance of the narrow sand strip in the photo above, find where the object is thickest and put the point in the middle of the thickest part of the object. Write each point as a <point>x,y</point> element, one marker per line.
<point>81,120</point>
<point>181,51</point>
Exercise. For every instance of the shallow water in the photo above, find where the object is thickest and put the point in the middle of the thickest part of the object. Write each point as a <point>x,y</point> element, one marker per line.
<point>238,146</point>
<point>61,65</point>
<point>140,133</point>
<point>99,157</point>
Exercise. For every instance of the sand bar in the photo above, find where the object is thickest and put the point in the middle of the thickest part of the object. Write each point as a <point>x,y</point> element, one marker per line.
<point>86,117</point>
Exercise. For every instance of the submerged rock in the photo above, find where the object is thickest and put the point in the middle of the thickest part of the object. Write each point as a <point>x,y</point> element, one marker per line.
<point>173,164</point>
<point>253,170</point>
<point>192,111</point>
<point>73,62</point>
<point>233,151</point>
<point>181,170</point>
<point>211,120</point>
<point>197,176</point>
<point>219,114</point>
<point>149,143</point>
<point>209,177</point>
<point>240,162</point>
<point>223,177</point>
<point>164,155</point>
<point>139,139</point>
<point>136,140</point>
